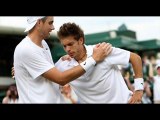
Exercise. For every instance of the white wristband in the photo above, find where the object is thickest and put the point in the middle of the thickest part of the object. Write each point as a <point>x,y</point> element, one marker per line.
<point>139,84</point>
<point>89,62</point>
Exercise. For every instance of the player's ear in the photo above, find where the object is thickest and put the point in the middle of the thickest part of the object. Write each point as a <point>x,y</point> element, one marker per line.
<point>81,40</point>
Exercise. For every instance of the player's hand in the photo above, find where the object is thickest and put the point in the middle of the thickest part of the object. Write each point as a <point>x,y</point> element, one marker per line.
<point>66,57</point>
<point>101,51</point>
<point>136,98</point>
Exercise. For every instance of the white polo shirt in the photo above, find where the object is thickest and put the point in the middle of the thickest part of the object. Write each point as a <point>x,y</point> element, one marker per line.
<point>104,83</point>
<point>30,62</point>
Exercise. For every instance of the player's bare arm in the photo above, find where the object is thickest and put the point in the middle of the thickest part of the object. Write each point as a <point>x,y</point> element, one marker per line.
<point>138,79</point>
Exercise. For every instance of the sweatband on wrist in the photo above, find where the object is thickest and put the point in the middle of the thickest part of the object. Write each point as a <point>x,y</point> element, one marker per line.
<point>89,62</point>
<point>139,84</point>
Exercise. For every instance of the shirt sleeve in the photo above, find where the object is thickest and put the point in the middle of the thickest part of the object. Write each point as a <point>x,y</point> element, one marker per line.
<point>118,57</point>
<point>36,63</point>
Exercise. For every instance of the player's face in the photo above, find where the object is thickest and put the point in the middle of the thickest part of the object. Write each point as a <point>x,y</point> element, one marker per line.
<point>71,46</point>
<point>47,27</point>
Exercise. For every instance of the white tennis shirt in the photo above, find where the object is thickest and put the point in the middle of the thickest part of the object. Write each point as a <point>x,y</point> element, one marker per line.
<point>104,83</point>
<point>30,62</point>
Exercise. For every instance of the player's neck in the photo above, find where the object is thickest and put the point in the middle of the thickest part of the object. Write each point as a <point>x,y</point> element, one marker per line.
<point>36,39</point>
<point>82,57</point>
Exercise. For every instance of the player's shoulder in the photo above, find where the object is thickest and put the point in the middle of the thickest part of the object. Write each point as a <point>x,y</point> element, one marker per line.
<point>63,65</point>
<point>44,43</point>
<point>61,62</point>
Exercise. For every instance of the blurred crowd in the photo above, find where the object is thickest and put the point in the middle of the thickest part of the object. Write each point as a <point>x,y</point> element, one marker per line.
<point>11,95</point>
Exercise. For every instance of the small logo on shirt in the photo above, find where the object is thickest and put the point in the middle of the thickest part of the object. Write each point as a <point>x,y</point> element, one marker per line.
<point>84,63</point>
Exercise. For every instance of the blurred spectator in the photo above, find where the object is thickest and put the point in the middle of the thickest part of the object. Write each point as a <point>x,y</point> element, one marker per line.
<point>156,83</point>
<point>145,62</point>
<point>128,81</point>
<point>153,60</point>
<point>158,58</point>
<point>11,95</point>
<point>69,95</point>
<point>146,99</point>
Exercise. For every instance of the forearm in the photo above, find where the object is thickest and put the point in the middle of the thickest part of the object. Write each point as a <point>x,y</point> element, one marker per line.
<point>71,74</point>
<point>137,68</point>
<point>137,65</point>
<point>62,78</point>
<point>67,76</point>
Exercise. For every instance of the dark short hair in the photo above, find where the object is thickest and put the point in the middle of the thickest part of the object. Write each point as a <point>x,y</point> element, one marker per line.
<point>70,29</point>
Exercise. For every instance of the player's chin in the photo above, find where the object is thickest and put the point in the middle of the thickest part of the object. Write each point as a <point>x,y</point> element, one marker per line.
<point>71,55</point>
<point>47,36</point>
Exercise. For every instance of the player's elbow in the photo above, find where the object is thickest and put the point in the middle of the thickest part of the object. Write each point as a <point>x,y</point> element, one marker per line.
<point>62,80</point>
